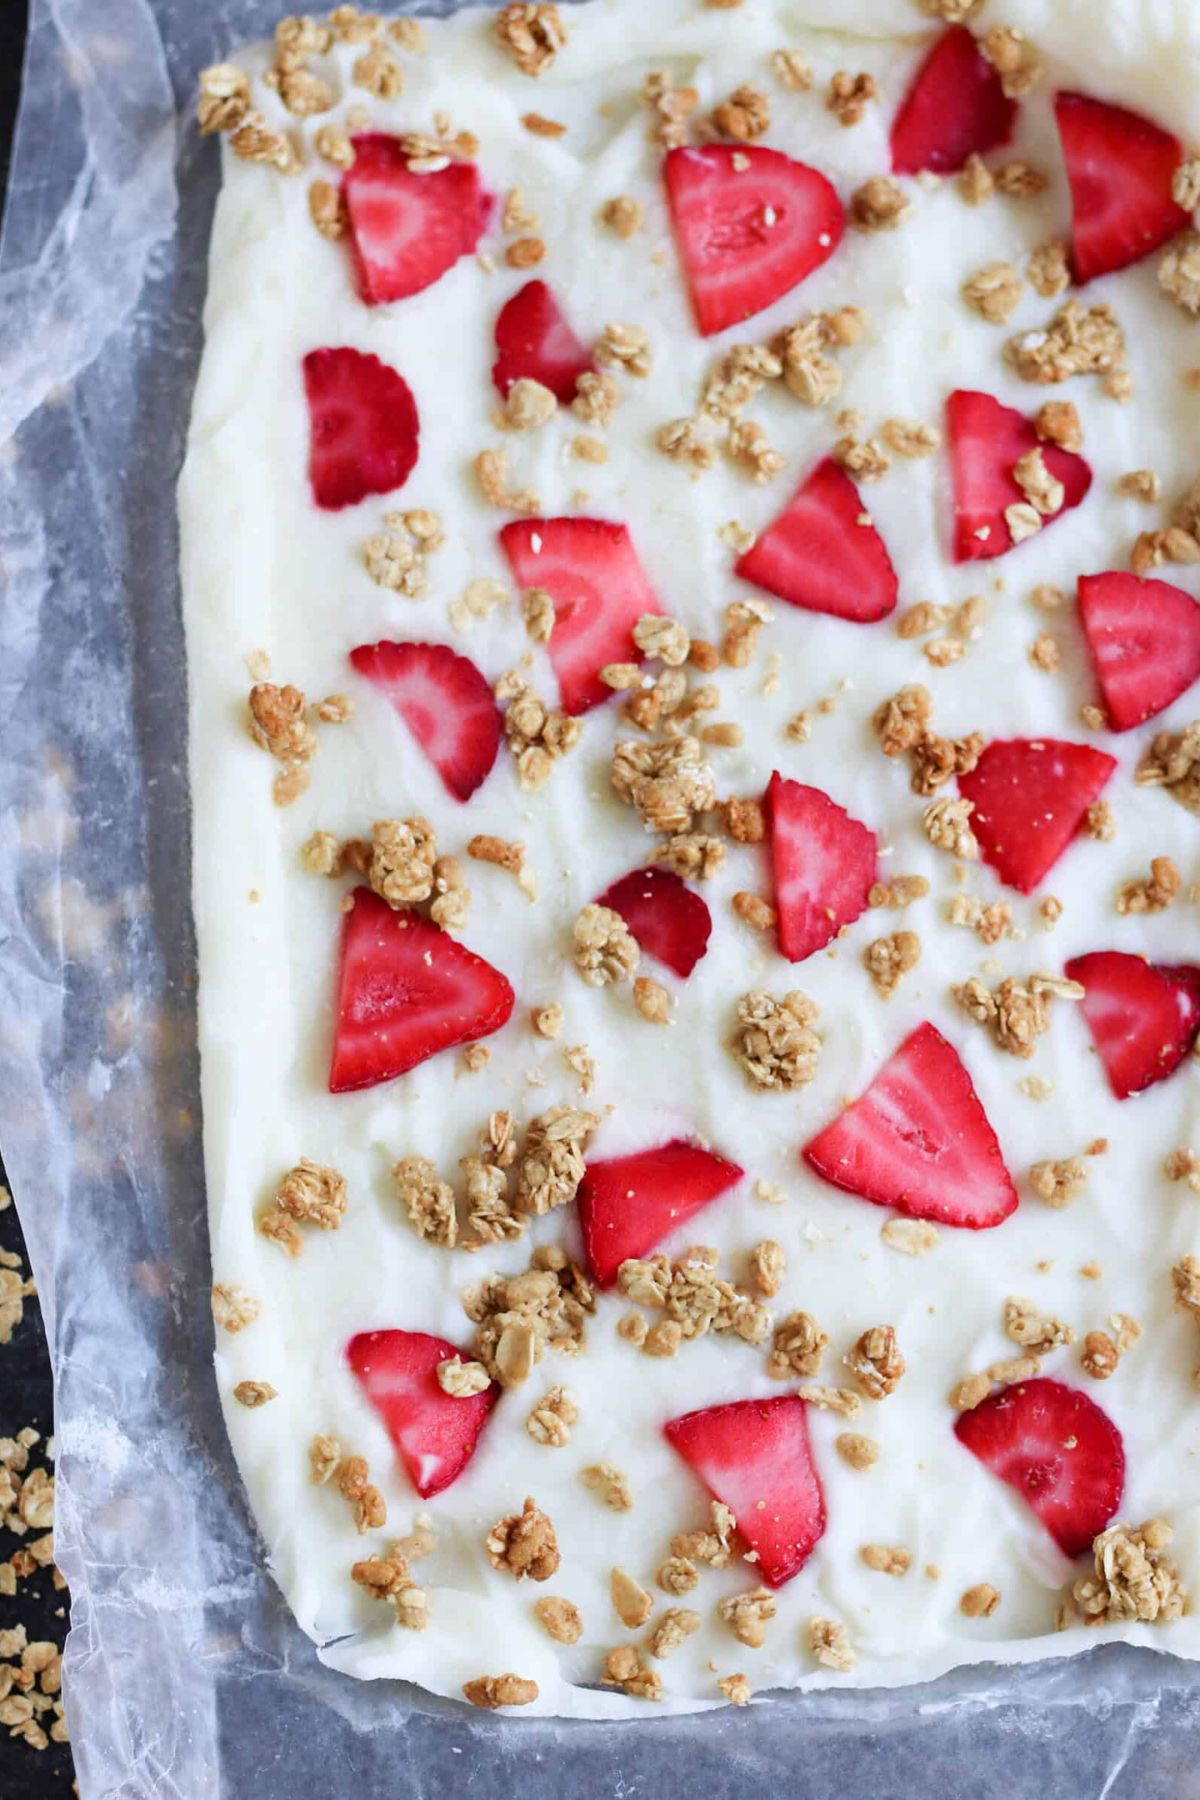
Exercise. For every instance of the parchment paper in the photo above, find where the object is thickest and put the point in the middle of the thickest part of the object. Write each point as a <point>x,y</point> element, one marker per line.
<point>185,1675</point>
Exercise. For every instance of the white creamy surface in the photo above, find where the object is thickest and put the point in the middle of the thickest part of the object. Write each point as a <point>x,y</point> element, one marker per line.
<point>264,569</point>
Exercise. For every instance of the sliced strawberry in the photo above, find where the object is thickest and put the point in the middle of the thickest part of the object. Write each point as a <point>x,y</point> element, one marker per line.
<point>955,107</point>
<point>920,1141</point>
<point>1144,637</point>
<point>750,224</point>
<point>406,989</point>
<point>824,862</point>
<point>434,1433</point>
<point>987,441</point>
<point>823,552</point>
<point>1120,168</point>
<point>364,433</point>
<point>669,919</point>
<point>591,571</point>
<point>406,229</point>
<point>1030,796</point>
<point>446,704</point>
<point>628,1204</point>
<point>535,343</point>
<point>1144,1017</point>
<point>1058,1450</point>
<point>754,1456</point>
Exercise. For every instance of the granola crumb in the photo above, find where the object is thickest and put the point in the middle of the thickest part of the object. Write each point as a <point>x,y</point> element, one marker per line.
<point>875,1362</point>
<point>1049,269</point>
<point>979,1602</point>
<point>605,949</point>
<point>462,1379</point>
<point>533,35</point>
<point>994,292</point>
<point>1179,273</point>
<point>855,1450</point>
<point>849,96</point>
<point>493,1691</point>
<point>623,215</point>
<point>624,1668</point>
<point>889,959</point>
<point>736,1689</point>
<point>887,1559</point>
<point>560,1619</point>
<point>254,1393</point>
<point>524,1543</point>
<point>652,1001</point>
<point>548,1020</point>
<point>747,1616</point>
<point>911,1237</point>
<point>1156,893</point>
<point>880,204</point>
<point>676,1625</point>
<point>829,1642</point>
<point>609,1484</point>
<point>233,1308</point>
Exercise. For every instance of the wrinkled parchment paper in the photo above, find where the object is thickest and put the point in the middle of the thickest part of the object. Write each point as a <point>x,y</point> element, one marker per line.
<point>185,1674</point>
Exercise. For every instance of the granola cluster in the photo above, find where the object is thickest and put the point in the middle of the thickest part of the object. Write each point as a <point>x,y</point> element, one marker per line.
<point>668,783</point>
<point>537,735</point>
<point>902,726</point>
<point>1134,1577</point>
<point>693,1299</point>
<point>396,557</point>
<point>518,1317</point>
<point>1016,1012</point>
<point>1173,762</point>
<point>776,1043</point>
<point>310,1194</point>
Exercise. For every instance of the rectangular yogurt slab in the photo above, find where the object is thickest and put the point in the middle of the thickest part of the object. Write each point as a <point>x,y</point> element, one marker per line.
<point>980,1272</point>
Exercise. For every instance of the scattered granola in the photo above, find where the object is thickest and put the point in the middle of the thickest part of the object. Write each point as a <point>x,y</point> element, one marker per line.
<point>609,1484</point>
<point>994,292</point>
<point>857,1451</point>
<point>830,1643</point>
<point>624,1668</point>
<point>625,347</point>
<point>1049,269</point>
<point>886,1559</point>
<point>911,1237</point>
<point>1173,762</point>
<point>1179,273</point>
<point>1134,1578</point>
<point>1017,1012</point>
<point>735,1688</point>
<point>880,204</point>
<point>279,725</point>
<point>1077,341</point>
<point>746,115</point>
<point>776,1043</point>
<point>979,1602</point>
<point>533,35</point>
<point>1103,1351</point>
<point>605,948</point>
<point>849,95</point>
<point>889,959</point>
<point>462,1379</point>
<point>673,107</point>
<point>1014,59</point>
<point>233,1308</point>
<point>427,1200</point>
<point>668,783</point>
<point>492,1691</point>
<point>1037,1334</point>
<point>560,1619</point>
<point>676,1625</point>
<point>254,1393</point>
<point>1058,1183</point>
<point>631,1602</point>
<point>875,1362</point>
<point>1153,894</point>
<point>747,1616</point>
<point>524,1544</point>
<point>623,215</point>
<point>351,1477</point>
<point>797,1347</point>
<point>551,1165</point>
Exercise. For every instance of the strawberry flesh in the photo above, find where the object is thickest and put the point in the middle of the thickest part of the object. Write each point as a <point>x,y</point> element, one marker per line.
<point>434,1433</point>
<point>919,1140</point>
<point>754,1456</point>
<point>1144,638</point>
<point>955,107</point>
<point>446,704</point>
<point>406,990</point>
<point>987,440</point>
<point>1144,1017</point>
<point>1030,796</point>
<point>750,224</point>
<point>364,432</point>
<point>823,553</point>
<point>670,920</point>
<point>535,343</point>
<point>591,571</point>
<point>408,229</point>
<point>1120,167</point>
<point>825,864</point>
<point>628,1204</point>
<point>1055,1447</point>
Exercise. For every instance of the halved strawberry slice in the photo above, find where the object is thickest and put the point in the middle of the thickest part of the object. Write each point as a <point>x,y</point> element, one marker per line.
<point>669,919</point>
<point>407,230</point>
<point>406,990</point>
<point>364,433</point>
<point>628,1204</point>
<point>955,107</point>
<point>823,552</point>
<point>1030,796</point>
<point>446,704</point>
<point>919,1140</point>
<point>535,343</point>
<point>754,1456</point>
<point>824,862</point>
<point>1120,168</point>
<point>1144,1017</point>
<point>750,224</point>
<point>434,1433</point>
<point>1144,637</point>
<point>591,571</point>
<point>987,441</point>
<point>1058,1450</point>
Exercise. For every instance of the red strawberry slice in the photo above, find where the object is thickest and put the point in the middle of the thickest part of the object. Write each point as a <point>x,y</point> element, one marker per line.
<point>754,1456</point>
<point>919,1140</point>
<point>434,1433</point>
<point>1120,167</point>
<point>1058,1450</point>
<point>1144,637</point>
<point>1030,796</point>
<point>628,1204</point>
<point>825,864</point>
<point>955,107</point>
<point>987,441</point>
<point>751,224</point>
<point>1144,1017</point>
<point>446,704</point>
<point>823,552</point>
<point>669,919</point>
<point>591,571</point>
<point>535,343</point>
<point>407,230</point>
<point>406,990</point>
<point>364,433</point>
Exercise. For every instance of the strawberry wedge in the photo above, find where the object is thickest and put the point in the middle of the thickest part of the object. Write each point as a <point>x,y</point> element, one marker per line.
<point>406,990</point>
<point>535,343</point>
<point>918,1140</point>
<point>1030,797</point>
<point>670,920</point>
<point>1144,639</point>
<point>1055,1447</point>
<point>407,229</point>
<point>987,440</point>
<point>591,571</point>
<point>628,1204</point>
<point>1120,167</point>
<point>754,1456</point>
<point>364,433</point>
<point>955,107</point>
<point>824,554</point>
<point>1144,1017</point>
<point>446,704</point>
<point>825,864</point>
<point>434,1433</point>
<point>750,224</point>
